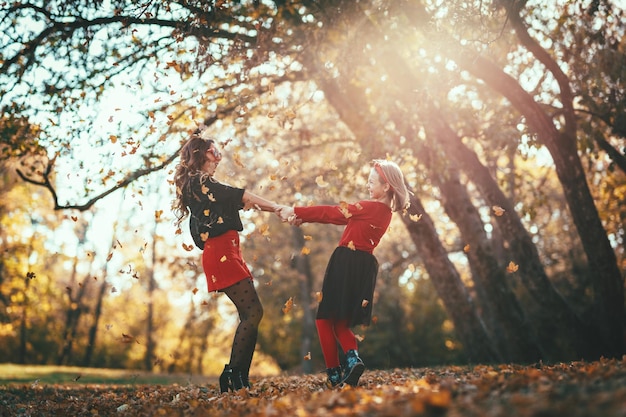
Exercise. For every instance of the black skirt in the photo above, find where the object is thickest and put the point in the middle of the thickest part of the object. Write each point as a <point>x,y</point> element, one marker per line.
<point>348,288</point>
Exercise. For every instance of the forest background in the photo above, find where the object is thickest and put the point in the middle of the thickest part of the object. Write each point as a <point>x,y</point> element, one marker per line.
<point>507,118</point>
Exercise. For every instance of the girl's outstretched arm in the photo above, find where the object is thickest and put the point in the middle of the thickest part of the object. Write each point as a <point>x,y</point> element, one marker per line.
<point>252,200</point>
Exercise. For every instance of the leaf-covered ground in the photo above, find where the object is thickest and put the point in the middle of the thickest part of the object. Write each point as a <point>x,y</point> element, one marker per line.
<point>595,389</point>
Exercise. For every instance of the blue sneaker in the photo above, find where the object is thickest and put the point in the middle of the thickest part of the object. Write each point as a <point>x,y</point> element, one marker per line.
<point>354,368</point>
<point>334,376</point>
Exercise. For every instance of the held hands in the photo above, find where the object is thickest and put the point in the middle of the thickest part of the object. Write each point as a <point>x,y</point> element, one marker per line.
<point>287,214</point>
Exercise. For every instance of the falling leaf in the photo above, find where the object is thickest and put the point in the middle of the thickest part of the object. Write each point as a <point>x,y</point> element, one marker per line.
<point>288,305</point>
<point>466,248</point>
<point>206,212</point>
<point>223,258</point>
<point>77,377</point>
<point>343,208</point>
<point>204,236</point>
<point>268,283</point>
<point>157,214</point>
<point>307,237</point>
<point>113,290</point>
<point>512,267</point>
<point>375,319</point>
<point>319,296</point>
<point>113,138</point>
<point>110,256</point>
<point>411,267</point>
<point>307,357</point>
<point>74,218</point>
<point>359,337</point>
<point>364,303</point>
<point>305,251</point>
<point>264,230</point>
<point>30,275</point>
<point>497,210</point>
<point>415,217</point>
<point>195,291</point>
<point>187,247</point>
<point>351,245</point>
<point>319,180</point>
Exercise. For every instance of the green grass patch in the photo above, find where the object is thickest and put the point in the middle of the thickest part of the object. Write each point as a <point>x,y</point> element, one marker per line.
<point>49,374</point>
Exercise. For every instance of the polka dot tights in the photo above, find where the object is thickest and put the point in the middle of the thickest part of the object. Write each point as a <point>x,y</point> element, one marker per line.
<point>246,300</point>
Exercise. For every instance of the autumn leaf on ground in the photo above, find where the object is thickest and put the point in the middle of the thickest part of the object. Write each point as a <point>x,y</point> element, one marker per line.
<point>571,389</point>
<point>497,210</point>
<point>288,305</point>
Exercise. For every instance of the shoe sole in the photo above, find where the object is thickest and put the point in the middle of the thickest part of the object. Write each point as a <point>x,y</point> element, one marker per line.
<point>355,373</point>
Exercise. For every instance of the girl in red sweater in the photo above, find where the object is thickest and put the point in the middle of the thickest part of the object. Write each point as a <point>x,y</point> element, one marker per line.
<point>350,277</point>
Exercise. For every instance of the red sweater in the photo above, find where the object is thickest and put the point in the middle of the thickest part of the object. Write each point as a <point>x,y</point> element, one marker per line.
<point>366,222</point>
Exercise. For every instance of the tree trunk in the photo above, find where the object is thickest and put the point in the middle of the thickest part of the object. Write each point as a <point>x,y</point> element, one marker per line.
<point>501,311</point>
<point>93,330</point>
<point>302,264</point>
<point>148,359</point>
<point>470,329</point>
<point>608,285</point>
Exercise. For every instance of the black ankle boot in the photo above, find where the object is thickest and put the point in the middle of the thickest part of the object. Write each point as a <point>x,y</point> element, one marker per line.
<point>354,368</point>
<point>245,379</point>
<point>235,377</point>
<point>225,379</point>
<point>334,376</point>
<point>230,379</point>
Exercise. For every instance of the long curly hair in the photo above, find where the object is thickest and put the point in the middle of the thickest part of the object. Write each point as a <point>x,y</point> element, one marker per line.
<point>192,158</point>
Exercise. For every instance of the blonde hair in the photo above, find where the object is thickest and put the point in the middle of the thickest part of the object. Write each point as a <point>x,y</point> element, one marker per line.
<point>391,174</point>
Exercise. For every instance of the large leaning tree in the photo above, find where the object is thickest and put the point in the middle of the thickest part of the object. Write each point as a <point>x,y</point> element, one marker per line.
<point>459,92</point>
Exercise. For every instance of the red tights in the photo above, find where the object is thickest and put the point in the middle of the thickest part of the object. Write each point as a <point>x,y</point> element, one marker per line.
<point>330,331</point>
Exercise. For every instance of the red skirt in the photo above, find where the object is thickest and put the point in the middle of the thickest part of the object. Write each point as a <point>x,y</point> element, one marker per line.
<point>222,261</point>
